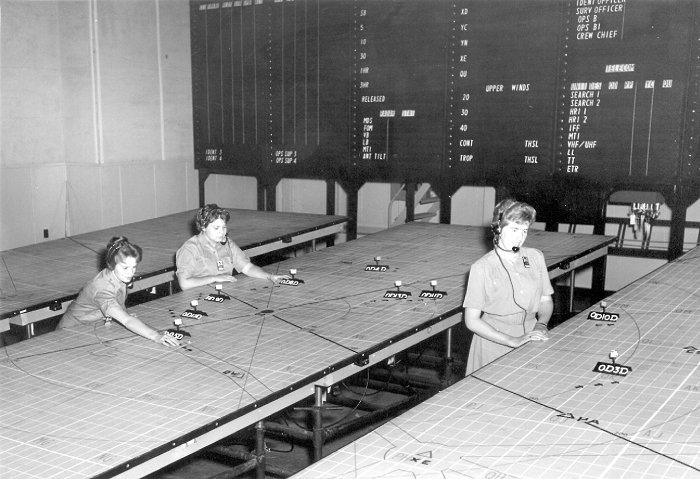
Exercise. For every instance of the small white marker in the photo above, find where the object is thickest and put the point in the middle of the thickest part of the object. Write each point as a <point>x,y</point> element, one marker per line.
<point>219,287</point>
<point>603,304</point>
<point>433,283</point>
<point>613,355</point>
<point>194,303</point>
<point>377,259</point>
<point>397,284</point>
<point>293,271</point>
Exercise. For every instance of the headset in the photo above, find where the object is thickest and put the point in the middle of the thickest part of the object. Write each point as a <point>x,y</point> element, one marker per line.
<point>121,244</point>
<point>501,208</point>
<point>496,229</point>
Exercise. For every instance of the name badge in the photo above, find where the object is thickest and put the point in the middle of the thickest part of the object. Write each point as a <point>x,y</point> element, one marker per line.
<point>220,265</point>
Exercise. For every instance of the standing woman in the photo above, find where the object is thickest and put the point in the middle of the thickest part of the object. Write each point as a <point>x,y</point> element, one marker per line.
<point>104,297</point>
<point>210,256</point>
<point>509,296</point>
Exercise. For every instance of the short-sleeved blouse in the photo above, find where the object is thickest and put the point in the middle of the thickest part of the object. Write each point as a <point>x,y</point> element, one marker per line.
<point>198,257</point>
<point>489,286</point>
<point>96,301</point>
<point>489,290</point>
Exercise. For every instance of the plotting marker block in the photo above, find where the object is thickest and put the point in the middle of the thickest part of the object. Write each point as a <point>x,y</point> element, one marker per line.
<point>432,293</point>
<point>603,316</point>
<point>193,313</point>
<point>614,369</point>
<point>219,296</point>
<point>177,333</point>
<point>376,266</point>
<point>398,294</point>
<point>293,281</point>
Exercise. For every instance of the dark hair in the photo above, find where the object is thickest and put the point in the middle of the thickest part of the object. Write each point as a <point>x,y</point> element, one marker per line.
<point>511,211</point>
<point>120,248</point>
<point>208,214</point>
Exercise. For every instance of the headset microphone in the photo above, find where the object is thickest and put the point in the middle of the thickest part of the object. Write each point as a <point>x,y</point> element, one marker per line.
<point>514,249</point>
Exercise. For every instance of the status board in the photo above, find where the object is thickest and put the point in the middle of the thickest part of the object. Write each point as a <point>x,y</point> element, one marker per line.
<point>601,90</point>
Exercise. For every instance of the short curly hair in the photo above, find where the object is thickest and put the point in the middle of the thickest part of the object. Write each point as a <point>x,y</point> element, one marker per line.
<point>209,213</point>
<point>512,211</point>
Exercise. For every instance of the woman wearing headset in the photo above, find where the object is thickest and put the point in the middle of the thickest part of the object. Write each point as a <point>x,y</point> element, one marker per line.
<point>104,297</point>
<point>509,296</point>
<point>210,256</point>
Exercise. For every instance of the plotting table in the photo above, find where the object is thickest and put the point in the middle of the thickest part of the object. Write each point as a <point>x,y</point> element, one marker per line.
<point>106,403</point>
<point>542,412</point>
<point>38,280</point>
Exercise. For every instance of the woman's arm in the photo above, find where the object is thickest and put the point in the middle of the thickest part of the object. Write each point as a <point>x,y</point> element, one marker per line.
<point>193,282</point>
<point>135,325</point>
<point>544,313</point>
<point>257,272</point>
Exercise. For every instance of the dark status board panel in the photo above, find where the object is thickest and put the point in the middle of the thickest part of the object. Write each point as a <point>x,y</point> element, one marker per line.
<point>626,74</point>
<point>270,85</point>
<point>466,90</point>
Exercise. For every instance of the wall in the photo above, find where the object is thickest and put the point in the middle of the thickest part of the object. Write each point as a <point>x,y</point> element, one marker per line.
<point>96,126</point>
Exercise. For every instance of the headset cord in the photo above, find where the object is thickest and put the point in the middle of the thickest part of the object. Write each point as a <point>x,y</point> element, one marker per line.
<point>512,286</point>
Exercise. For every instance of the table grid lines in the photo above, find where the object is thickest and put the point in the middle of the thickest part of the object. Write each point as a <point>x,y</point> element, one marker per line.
<point>41,273</point>
<point>69,387</point>
<point>542,411</point>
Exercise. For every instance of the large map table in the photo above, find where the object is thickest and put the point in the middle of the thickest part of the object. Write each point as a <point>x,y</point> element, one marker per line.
<point>546,409</point>
<point>105,403</point>
<point>37,281</point>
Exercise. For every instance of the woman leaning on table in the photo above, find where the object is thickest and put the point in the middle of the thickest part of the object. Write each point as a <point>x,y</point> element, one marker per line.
<point>210,256</point>
<point>104,297</point>
<point>509,296</point>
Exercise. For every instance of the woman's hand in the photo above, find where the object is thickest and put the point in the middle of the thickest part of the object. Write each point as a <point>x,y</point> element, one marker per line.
<point>543,329</point>
<point>534,335</point>
<point>276,278</point>
<point>167,339</point>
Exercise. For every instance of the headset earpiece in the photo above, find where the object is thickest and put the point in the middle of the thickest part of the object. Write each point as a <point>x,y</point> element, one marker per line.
<point>496,225</point>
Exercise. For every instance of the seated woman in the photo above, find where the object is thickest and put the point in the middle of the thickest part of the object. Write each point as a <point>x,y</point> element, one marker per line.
<point>103,298</point>
<point>210,256</point>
